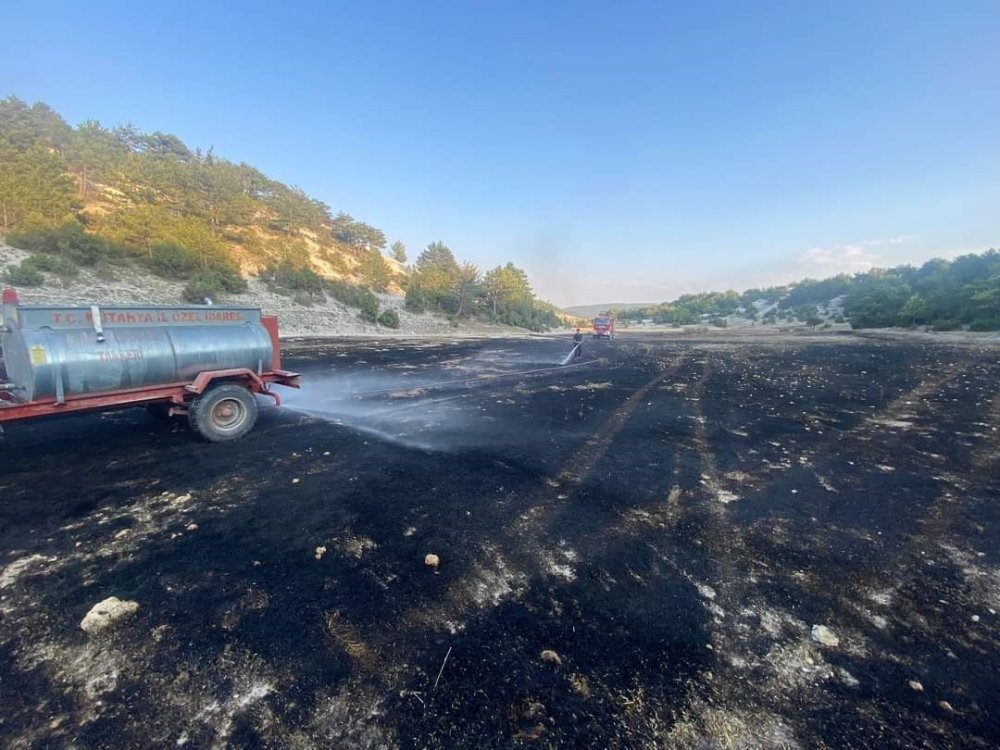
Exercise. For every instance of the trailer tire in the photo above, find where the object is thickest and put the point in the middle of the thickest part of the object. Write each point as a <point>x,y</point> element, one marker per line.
<point>225,412</point>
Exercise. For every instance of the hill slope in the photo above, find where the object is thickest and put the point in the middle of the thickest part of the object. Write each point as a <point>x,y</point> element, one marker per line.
<point>97,199</point>
<point>140,191</point>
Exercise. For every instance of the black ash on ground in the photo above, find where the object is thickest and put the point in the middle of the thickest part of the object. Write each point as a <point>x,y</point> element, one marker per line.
<point>676,520</point>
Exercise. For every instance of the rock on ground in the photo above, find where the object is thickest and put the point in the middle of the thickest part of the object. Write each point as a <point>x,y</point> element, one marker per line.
<point>824,636</point>
<point>106,613</point>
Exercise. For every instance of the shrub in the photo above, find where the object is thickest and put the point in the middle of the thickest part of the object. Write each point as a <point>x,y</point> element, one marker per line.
<point>23,275</point>
<point>415,299</point>
<point>200,287</point>
<point>389,318</point>
<point>985,324</point>
<point>171,261</point>
<point>369,306</point>
<point>212,282</point>
<point>336,261</point>
<point>68,241</point>
<point>947,324</point>
<point>228,278</point>
<point>285,277</point>
<point>375,270</point>
<point>56,264</point>
<point>345,293</point>
<point>105,272</point>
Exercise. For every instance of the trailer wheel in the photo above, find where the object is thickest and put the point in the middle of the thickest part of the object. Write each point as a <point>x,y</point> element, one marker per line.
<point>225,412</point>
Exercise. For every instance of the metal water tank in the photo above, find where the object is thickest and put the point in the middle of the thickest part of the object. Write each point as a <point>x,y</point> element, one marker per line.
<point>53,351</point>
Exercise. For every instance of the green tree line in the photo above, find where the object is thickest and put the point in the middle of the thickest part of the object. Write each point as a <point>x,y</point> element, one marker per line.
<point>501,295</point>
<point>942,294</point>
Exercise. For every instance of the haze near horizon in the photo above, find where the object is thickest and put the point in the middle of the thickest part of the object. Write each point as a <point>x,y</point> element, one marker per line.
<point>616,153</point>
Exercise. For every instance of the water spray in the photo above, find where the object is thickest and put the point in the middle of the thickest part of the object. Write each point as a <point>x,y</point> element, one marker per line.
<point>573,354</point>
<point>429,414</point>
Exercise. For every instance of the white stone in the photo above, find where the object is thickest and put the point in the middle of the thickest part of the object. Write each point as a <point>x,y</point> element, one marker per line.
<point>106,613</point>
<point>551,657</point>
<point>824,636</point>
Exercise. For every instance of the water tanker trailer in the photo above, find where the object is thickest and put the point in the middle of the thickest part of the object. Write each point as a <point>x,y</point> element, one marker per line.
<point>207,363</point>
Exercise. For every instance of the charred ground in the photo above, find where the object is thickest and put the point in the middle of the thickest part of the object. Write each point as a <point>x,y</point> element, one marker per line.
<point>669,516</point>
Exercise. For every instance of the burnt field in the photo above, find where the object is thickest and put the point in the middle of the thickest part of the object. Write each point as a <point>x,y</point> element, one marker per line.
<point>668,519</point>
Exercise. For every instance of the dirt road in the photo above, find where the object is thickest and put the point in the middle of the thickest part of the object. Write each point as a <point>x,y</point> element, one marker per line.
<point>716,543</point>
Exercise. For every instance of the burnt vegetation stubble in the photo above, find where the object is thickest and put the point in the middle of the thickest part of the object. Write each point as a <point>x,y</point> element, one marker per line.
<point>649,515</point>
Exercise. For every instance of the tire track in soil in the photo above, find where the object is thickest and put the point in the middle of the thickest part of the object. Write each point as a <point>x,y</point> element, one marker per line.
<point>743,721</point>
<point>889,414</point>
<point>736,604</point>
<point>525,533</point>
<point>935,580</point>
<point>717,711</point>
<point>706,508</point>
<point>988,457</point>
<point>495,579</point>
<point>823,451</point>
<point>886,430</point>
<point>581,465</point>
<point>931,584</point>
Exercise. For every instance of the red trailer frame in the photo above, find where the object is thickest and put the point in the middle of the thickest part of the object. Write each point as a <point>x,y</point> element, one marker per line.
<point>175,396</point>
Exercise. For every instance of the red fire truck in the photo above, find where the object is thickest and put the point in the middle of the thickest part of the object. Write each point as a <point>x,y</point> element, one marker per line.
<point>604,327</point>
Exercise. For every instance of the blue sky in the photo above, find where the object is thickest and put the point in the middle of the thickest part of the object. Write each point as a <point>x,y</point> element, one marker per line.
<point>618,151</point>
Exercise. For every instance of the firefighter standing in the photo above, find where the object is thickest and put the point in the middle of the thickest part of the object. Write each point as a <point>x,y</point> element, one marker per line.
<point>578,341</point>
